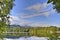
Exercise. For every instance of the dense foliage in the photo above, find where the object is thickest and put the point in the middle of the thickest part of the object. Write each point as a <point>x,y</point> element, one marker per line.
<point>56,3</point>
<point>5,7</point>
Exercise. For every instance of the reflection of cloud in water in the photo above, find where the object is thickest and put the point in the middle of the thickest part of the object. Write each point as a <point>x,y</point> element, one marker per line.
<point>29,38</point>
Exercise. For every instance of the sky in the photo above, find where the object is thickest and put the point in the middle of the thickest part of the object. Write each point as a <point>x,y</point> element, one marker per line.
<point>34,13</point>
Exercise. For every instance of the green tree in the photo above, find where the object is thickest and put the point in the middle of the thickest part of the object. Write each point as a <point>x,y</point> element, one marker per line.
<point>56,3</point>
<point>5,7</point>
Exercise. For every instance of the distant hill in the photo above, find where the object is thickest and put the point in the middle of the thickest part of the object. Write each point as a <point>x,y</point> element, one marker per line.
<point>15,26</point>
<point>19,26</point>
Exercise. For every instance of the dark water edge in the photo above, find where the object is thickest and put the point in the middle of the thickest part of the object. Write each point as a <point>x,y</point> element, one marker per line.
<point>15,37</point>
<point>28,38</point>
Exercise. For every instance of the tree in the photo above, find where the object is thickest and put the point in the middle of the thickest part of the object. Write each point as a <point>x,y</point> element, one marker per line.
<point>56,3</point>
<point>5,7</point>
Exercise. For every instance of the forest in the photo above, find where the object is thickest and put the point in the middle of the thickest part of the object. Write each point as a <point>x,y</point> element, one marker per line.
<point>18,31</point>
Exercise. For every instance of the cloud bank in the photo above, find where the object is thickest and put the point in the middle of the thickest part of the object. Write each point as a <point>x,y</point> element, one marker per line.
<point>18,21</point>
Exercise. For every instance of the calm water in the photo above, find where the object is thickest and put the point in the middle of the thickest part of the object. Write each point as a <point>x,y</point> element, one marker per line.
<point>28,38</point>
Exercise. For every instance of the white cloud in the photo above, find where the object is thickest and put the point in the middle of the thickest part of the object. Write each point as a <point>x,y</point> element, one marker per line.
<point>40,9</point>
<point>43,24</point>
<point>46,14</point>
<point>29,16</point>
<point>18,21</point>
<point>37,6</point>
<point>13,18</point>
<point>40,24</point>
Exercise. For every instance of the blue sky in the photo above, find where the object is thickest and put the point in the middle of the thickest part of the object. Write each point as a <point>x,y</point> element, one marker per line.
<point>34,13</point>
